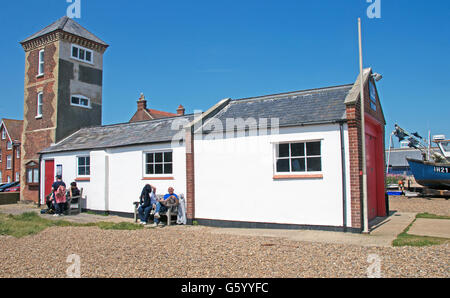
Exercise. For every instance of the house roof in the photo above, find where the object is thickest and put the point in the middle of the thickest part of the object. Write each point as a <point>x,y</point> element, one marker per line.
<point>121,135</point>
<point>294,108</point>
<point>14,128</point>
<point>68,25</point>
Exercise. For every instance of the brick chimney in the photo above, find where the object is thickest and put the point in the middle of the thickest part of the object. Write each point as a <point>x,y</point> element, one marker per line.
<point>142,103</point>
<point>180,110</point>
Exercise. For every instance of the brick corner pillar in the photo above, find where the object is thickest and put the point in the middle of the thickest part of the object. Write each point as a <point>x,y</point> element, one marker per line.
<point>190,176</point>
<point>353,113</point>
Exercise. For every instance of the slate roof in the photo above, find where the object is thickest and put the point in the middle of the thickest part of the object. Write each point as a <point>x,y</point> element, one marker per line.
<point>295,108</point>
<point>120,135</point>
<point>68,25</point>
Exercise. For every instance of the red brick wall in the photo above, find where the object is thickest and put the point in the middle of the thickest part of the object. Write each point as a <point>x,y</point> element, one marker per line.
<point>15,162</point>
<point>353,112</point>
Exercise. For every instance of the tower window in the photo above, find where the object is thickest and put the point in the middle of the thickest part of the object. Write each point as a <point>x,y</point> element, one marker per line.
<point>40,101</point>
<point>41,63</point>
<point>80,101</point>
<point>82,54</point>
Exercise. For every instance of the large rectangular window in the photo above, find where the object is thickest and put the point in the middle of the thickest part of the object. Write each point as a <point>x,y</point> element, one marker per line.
<point>32,175</point>
<point>39,104</point>
<point>298,157</point>
<point>158,163</point>
<point>82,54</point>
<point>41,63</point>
<point>84,166</point>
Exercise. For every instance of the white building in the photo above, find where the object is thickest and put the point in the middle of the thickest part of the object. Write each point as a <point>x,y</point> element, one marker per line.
<point>289,160</point>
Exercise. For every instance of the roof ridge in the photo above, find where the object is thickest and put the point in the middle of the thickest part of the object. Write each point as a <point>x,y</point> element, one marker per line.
<point>291,92</point>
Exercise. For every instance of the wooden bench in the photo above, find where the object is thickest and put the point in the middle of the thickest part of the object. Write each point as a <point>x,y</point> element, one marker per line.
<point>172,209</point>
<point>74,204</point>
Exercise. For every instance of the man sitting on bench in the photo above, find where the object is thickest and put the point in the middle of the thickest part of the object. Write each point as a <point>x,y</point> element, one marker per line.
<point>169,198</point>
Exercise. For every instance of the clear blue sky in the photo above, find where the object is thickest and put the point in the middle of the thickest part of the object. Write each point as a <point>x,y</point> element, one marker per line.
<point>197,52</point>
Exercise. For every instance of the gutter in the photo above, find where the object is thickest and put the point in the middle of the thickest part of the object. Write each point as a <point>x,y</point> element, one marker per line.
<point>39,192</point>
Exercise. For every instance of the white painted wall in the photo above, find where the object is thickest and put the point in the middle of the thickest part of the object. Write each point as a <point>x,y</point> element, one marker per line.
<point>234,180</point>
<point>116,179</point>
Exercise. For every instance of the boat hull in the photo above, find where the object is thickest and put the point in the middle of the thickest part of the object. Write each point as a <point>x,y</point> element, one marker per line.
<point>431,175</point>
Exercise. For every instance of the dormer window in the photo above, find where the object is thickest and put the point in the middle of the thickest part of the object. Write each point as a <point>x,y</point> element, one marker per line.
<point>80,101</point>
<point>82,54</point>
<point>373,96</point>
<point>41,63</point>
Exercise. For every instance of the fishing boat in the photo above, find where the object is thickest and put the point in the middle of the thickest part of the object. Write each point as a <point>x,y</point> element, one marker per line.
<point>434,170</point>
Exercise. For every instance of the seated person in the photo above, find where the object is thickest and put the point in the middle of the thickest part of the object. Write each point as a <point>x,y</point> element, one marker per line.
<point>50,202</point>
<point>74,191</point>
<point>147,200</point>
<point>171,197</point>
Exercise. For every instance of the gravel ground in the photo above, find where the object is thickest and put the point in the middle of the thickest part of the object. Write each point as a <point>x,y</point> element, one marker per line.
<point>436,206</point>
<point>196,252</point>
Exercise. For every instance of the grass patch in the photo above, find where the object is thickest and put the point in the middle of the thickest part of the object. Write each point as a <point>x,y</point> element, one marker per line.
<point>405,239</point>
<point>97,213</point>
<point>432,216</point>
<point>31,223</point>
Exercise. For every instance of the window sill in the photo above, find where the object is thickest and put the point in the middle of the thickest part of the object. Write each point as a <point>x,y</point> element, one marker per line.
<point>83,179</point>
<point>305,176</point>
<point>40,76</point>
<point>38,117</point>
<point>158,178</point>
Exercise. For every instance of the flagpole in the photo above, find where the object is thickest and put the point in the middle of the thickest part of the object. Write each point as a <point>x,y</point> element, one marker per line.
<point>365,206</point>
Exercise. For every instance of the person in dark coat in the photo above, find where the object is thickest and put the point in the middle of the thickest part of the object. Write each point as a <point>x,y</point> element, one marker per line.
<point>147,202</point>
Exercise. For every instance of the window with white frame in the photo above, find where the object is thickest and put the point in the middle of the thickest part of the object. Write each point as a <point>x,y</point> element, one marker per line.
<point>1,178</point>
<point>18,153</point>
<point>158,163</point>
<point>41,63</point>
<point>8,145</point>
<point>17,176</point>
<point>8,162</point>
<point>82,54</point>
<point>8,179</point>
<point>80,101</point>
<point>39,104</point>
<point>0,156</point>
<point>298,157</point>
<point>83,166</point>
<point>32,175</point>
<point>3,134</point>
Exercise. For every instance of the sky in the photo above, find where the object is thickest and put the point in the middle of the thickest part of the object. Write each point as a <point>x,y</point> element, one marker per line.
<point>198,52</point>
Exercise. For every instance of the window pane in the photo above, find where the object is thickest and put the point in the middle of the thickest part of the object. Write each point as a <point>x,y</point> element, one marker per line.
<point>88,170</point>
<point>81,54</point>
<point>168,157</point>
<point>84,102</point>
<point>149,157</point>
<point>81,161</point>
<point>158,168</point>
<point>168,168</point>
<point>81,170</point>
<point>313,148</point>
<point>283,165</point>
<point>29,175</point>
<point>35,175</point>
<point>149,169</point>
<point>75,100</point>
<point>158,157</point>
<point>298,149</point>
<point>88,56</point>
<point>41,56</point>
<point>314,164</point>
<point>298,164</point>
<point>75,52</point>
<point>283,150</point>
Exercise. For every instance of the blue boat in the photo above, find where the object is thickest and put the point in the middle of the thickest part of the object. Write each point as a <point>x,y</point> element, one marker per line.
<point>431,174</point>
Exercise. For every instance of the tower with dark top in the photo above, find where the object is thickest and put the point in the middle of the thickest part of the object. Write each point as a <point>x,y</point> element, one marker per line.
<point>63,91</point>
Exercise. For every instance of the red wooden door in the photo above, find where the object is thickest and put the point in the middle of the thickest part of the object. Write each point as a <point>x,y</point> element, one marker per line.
<point>371,142</point>
<point>49,176</point>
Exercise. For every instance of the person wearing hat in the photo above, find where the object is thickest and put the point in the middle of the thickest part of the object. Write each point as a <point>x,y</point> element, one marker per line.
<point>59,195</point>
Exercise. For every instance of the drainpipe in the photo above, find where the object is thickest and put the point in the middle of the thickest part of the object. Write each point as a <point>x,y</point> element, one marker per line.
<point>344,178</point>
<point>39,192</point>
